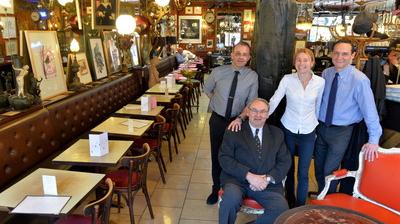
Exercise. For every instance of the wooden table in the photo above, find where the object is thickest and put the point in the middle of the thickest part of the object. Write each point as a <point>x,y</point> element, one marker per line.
<point>113,125</point>
<point>156,89</point>
<point>164,100</point>
<point>78,154</point>
<point>69,183</point>
<point>133,110</point>
<point>323,214</point>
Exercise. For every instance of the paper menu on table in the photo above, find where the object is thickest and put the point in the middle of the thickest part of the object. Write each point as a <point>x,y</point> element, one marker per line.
<point>49,185</point>
<point>132,107</point>
<point>136,123</point>
<point>41,205</point>
<point>98,144</point>
<point>145,104</point>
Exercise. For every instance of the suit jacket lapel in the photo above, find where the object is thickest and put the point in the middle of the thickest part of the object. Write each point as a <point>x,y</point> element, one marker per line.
<point>267,143</point>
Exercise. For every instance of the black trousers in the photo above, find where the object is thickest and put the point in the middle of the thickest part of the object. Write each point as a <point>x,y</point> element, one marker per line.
<point>217,124</point>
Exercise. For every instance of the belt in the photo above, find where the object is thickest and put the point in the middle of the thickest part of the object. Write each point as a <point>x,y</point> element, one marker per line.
<point>223,118</point>
<point>337,126</point>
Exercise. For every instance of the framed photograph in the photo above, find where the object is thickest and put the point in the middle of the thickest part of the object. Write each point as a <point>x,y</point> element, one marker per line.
<point>84,72</point>
<point>188,10</point>
<point>197,10</point>
<point>9,27</point>
<point>104,13</point>
<point>11,47</point>
<point>247,14</point>
<point>44,53</point>
<point>97,58</point>
<point>190,29</point>
<point>7,10</point>
<point>111,52</point>
<point>210,43</point>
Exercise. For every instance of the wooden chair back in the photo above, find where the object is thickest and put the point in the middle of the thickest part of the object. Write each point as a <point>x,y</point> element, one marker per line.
<point>100,209</point>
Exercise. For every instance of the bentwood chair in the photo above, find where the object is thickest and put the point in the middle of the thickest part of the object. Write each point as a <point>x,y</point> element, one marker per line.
<point>170,128</point>
<point>97,212</point>
<point>182,116</point>
<point>153,138</point>
<point>130,178</point>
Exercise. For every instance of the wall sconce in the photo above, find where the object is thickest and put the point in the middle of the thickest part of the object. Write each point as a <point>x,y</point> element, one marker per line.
<point>162,3</point>
<point>126,25</point>
<point>74,82</point>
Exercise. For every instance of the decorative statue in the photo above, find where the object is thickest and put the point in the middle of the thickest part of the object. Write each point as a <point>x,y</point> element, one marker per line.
<point>22,72</point>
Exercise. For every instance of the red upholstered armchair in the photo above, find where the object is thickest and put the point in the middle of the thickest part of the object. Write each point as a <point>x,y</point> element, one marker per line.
<point>376,190</point>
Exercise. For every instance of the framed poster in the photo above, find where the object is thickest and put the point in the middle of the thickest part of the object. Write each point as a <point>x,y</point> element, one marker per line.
<point>97,58</point>
<point>247,15</point>
<point>11,47</point>
<point>188,10</point>
<point>44,53</point>
<point>84,72</point>
<point>9,27</point>
<point>197,10</point>
<point>190,29</point>
<point>104,13</point>
<point>111,52</point>
<point>7,10</point>
<point>210,43</point>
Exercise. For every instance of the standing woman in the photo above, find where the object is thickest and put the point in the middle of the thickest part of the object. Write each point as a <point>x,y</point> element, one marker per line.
<point>303,91</point>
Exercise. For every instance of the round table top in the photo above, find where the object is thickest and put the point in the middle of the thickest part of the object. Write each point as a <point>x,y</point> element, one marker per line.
<point>321,214</point>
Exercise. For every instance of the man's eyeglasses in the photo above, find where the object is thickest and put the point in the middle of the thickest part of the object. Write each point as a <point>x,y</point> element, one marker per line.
<point>238,54</point>
<point>255,111</point>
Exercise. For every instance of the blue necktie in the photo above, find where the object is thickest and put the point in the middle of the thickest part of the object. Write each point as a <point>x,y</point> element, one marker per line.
<point>331,101</point>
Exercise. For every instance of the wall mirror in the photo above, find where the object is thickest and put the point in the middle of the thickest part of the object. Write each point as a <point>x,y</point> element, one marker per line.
<point>229,29</point>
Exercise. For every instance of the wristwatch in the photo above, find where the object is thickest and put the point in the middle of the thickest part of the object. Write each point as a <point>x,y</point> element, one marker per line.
<point>270,179</point>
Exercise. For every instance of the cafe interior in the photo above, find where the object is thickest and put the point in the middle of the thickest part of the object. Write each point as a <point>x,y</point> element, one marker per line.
<point>99,123</point>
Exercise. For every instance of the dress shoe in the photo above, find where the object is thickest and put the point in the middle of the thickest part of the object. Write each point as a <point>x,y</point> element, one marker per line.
<point>212,198</point>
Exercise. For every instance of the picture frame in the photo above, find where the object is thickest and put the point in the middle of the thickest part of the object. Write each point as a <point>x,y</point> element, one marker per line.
<point>104,14</point>
<point>135,54</point>
<point>111,52</point>
<point>9,27</point>
<point>97,59</point>
<point>7,10</point>
<point>197,10</point>
<point>84,71</point>
<point>189,10</point>
<point>210,43</point>
<point>46,64</point>
<point>190,28</point>
<point>247,15</point>
<point>11,47</point>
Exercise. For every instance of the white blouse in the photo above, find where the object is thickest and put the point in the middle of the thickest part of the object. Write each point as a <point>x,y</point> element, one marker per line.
<point>302,105</point>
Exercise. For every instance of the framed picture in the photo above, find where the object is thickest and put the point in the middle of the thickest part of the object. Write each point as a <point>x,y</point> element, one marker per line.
<point>104,13</point>
<point>11,47</point>
<point>9,27</point>
<point>8,10</point>
<point>197,10</point>
<point>247,14</point>
<point>190,29</point>
<point>84,72</point>
<point>188,10</point>
<point>44,53</point>
<point>97,58</point>
<point>111,52</point>
<point>135,55</point>
<point>210,43</point>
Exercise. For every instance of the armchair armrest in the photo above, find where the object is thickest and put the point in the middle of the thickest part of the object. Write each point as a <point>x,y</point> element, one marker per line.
<point>336,175</point>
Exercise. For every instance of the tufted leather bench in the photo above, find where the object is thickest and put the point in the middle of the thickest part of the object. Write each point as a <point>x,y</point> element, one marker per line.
<point>167,65</point>
<point>33,138</point>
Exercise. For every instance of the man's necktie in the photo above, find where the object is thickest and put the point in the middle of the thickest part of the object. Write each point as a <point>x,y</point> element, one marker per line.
<point>331,101</point>
<point>258,143</point>
<point>228,112</point>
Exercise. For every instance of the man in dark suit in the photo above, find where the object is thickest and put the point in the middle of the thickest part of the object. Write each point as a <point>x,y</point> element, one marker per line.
<point>254,162</point>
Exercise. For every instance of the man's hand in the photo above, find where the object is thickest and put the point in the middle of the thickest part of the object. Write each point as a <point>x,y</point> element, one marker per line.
<point>257,182</point>
<point>371,151</point>
<point>235,125</point>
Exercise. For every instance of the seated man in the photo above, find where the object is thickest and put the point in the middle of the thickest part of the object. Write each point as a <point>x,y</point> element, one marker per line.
<point>254,162</point>
<point>180,58</point>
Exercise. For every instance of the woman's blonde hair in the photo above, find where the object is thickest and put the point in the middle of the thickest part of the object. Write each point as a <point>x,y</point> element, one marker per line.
<point>305,51</point>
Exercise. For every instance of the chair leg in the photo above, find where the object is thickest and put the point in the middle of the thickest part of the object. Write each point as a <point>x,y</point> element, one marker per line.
<point>157,155</point>
<point>119,202</point>
<point>175,132</point>
<point>176,145</point>
<point>146,195</point>
<point>169,148</point>
<point>129,201</point>
<point>180,123</point>
<point>162,161</point>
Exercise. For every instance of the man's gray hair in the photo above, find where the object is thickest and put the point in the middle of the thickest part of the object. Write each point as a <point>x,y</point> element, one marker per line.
<point>260,100</point>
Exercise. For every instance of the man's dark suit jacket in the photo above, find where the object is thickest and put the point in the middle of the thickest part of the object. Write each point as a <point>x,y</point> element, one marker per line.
<point>238,156</point>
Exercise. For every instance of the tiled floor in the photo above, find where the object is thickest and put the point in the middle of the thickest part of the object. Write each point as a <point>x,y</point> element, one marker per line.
<point>183,198</point>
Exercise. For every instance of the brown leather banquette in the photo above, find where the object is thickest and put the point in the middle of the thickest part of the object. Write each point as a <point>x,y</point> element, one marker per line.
<point>34,137</point>
<point>167,65</point>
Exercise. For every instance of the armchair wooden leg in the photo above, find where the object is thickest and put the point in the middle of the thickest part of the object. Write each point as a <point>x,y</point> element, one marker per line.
<point>146,195</point>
